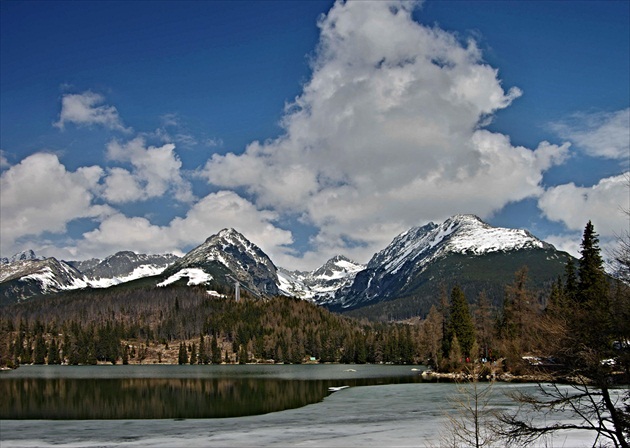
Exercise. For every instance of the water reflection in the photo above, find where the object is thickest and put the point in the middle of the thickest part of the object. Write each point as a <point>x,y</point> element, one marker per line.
<point>155,398</point>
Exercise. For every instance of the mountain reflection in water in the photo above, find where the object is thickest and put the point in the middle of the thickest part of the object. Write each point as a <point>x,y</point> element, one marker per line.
<point>159,398</point>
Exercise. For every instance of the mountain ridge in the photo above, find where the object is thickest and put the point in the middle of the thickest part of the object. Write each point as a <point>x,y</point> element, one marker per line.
<point>413,258</point>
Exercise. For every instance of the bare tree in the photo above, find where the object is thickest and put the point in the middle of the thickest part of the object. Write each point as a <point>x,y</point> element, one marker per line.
<point>581,406</point>
<point>473,422</point>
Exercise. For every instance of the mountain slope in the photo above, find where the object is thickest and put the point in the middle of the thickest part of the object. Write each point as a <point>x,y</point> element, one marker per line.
<point>26,278</point>
<point>320,285</point>
<point>463,250</point>
<point>122,267</point>
<point>228,253</point>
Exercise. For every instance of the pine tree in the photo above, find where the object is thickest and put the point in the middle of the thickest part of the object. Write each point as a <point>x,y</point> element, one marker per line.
<point>460,321</point>
<point>39,353</point>
<point>53,353</point>
<point>215,350</point>
<point>183,354</point>
<point>203,353</point>
<point>594,323</point>
<point>193,354</point>
<point>592,285</point>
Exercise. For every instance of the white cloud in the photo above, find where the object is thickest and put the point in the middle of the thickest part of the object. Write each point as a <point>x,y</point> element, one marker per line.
<point>86,109</point>
<point>39,195</point>
<point>599,134</point>
<point>4,162</point>
<point>386,134</point>
<point>119,232</point>
<point>603,204</point>
<point>226,209</point>
<point>208,216</point>
<point>569,242</point>
<point>156,171</point>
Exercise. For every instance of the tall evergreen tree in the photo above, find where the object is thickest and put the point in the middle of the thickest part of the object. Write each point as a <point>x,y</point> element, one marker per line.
<point>53,353</point>
<point>183,354</point>
<point>215,351</point>
<point>40,351</point>
<point>592,285</point>
<point>460,322</point>
<point>193,354</point>
<point>594,320</point>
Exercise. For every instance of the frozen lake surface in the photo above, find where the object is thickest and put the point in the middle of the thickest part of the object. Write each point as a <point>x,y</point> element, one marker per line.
<point>397,415</point>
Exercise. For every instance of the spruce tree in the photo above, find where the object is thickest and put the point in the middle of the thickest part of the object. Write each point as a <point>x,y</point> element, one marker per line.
<point>193,354</point>
<point>460,322</point>
<point>40,351</point>
<point>592,285</point>
<point>183,354</point>
<point>215,350</point>
<point>53,353</point>
<point>594,322</point>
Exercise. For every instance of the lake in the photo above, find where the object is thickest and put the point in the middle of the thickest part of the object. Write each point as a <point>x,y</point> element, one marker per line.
<point>252,405</point>
<point>173,391</point>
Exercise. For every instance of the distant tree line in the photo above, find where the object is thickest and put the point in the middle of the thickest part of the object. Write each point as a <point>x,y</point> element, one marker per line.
<point>126,325</point>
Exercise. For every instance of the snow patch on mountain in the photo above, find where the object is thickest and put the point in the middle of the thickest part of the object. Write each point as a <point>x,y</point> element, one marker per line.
<point>230,253</point>
<point>412,252</point>
<point>320,285</point>
<point>195,277</point>
<point>465,234</point>
<point>145,270</point>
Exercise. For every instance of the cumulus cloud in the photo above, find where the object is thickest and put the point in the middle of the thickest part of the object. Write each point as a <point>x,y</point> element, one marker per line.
<point>209,215</point>
<point>603,204</point>
<point>603,134</point>
<point>39,195</point>
<point>387,134</point>
<point>4,162</point>
<point>155,171</point>
<point>86,109</point>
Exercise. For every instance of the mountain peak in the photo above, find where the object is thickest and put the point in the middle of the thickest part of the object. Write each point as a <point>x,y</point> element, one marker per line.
<point>398,269</point>
<point>229,252</point>
<point>21,256</point>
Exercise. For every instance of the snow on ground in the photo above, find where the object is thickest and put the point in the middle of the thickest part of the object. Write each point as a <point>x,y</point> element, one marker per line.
<point>401,415</point>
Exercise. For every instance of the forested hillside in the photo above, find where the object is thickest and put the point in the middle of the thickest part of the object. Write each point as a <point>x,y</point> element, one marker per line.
<point>187,325</point>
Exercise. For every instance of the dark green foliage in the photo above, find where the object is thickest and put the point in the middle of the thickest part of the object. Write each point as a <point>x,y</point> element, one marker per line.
<point>107,326</point>
<point>183,354</point>
<point>40,351</point>
<point>193,354</point>
<point>592,279</point>
<point>53,353</point>
<point>215,350</point>
<point>460,324</point>
<point>489,273</point>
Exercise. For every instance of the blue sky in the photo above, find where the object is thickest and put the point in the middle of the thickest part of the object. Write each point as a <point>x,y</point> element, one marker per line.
<point>314,128</point>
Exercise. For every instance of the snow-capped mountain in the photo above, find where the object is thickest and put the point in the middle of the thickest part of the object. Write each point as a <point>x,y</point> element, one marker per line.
<point>26,278</point>
<point>431,252</point>
<point>21,256</point>
<point>400,280</point>
<point>465,234</point>
<point>122,267</point>
<point>320,285</point>
<point>228,253</point>
<point>26,275</point>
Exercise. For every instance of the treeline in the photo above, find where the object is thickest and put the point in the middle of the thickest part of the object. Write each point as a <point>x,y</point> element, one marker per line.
<point>580,322</point>
<point>187,325</point>
<point>580,327</point>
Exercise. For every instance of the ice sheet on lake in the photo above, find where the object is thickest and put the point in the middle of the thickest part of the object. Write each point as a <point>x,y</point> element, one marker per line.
<point>401,415</point>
